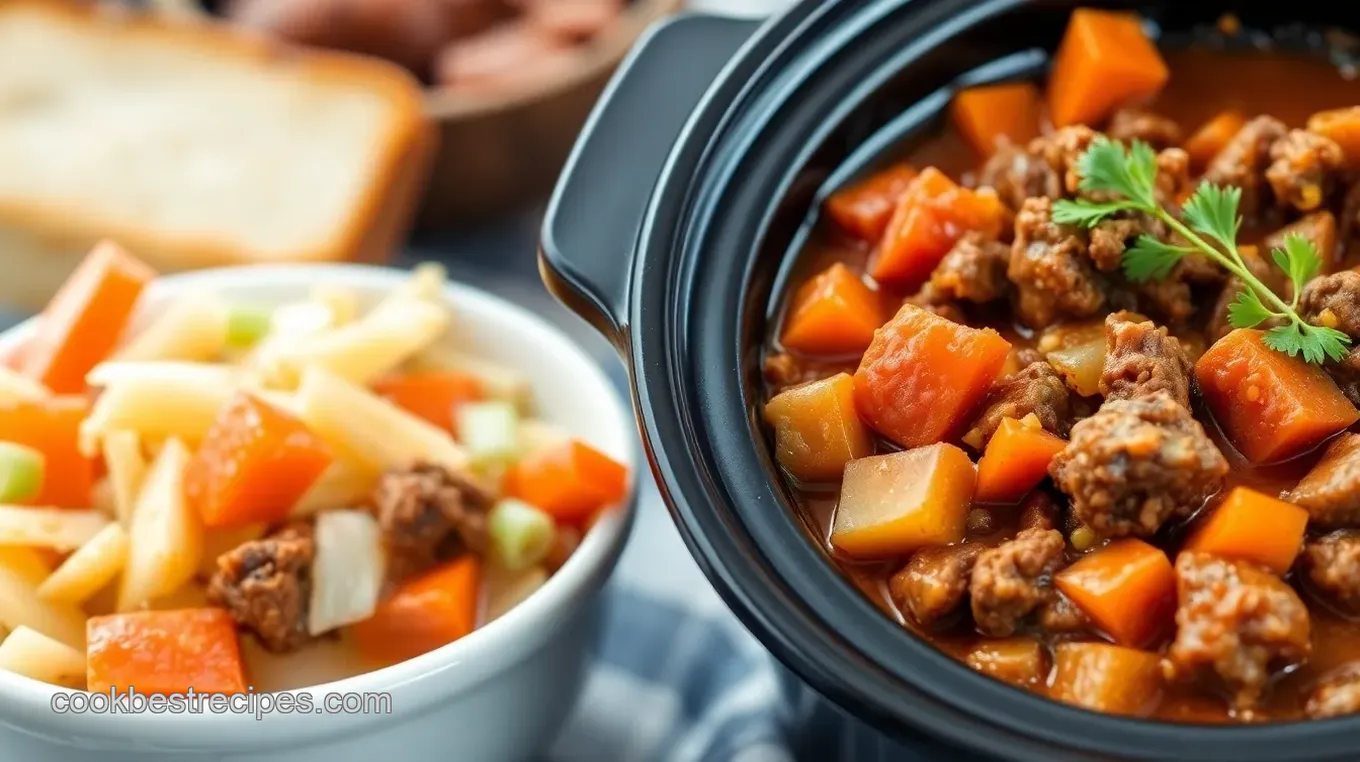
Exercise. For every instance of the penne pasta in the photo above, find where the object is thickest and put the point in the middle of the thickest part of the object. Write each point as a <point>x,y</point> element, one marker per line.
<point>127,468</point>
<point>342,302</point>
<point>368,428</point>
<point>60,529</point>
<point>90,568</point>
<point>20,606</point>
<point>15,387</point>
<point>30,653</point>
<point>367,348</point>
<point>343,484</point>
<point>28,563</point>
<point>498,381</point>
<point>165,539</point>
<point>156,400</point>
<point>192,328</point>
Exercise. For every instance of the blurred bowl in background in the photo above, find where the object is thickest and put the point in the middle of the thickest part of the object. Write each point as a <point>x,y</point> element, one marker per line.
<point>510,82</point>
<point>500,150</point>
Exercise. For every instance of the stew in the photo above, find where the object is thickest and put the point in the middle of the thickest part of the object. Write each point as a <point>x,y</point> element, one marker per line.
<point>1070,388</point>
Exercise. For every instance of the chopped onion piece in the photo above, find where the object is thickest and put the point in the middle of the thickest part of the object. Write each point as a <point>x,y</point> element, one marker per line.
<point>521,535</point>
<point>489,431</point>
<point>21,472</point>
<point>347,573</point>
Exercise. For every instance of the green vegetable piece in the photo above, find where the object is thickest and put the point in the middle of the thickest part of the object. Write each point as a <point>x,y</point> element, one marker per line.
<point>489,431</point>
<point>246,325</point>
<point>22,470</point>
<point>521,535</point>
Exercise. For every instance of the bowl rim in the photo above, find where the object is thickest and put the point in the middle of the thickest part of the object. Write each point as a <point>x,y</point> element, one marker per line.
<point>593,62</point>
<point>416,684</point>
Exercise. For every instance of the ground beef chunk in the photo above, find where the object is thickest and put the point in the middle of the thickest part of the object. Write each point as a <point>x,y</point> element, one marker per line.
<point>1346,374</point>
<point>1331,491</point>
<point>1129,124</point>
<point>931,299</point>
<point>1039,511</point>
<point>1332,563</point>
<point>1236,621</point>
<point>1333,301</point>
<point>974,270</point>
<point>1348,224</point>
<point>1044,168</point>
<point>1012,580</point>
<point>1335,693</point>
<point>1060,615</point>
<point>428,514</point>
<point>266,585</point>
<point>1173,183</point>
<point>1141,359</point>
<point>1037,389</point>
<point>1050,268</point>
<point>1062,150</point>
<point>1303,169</point>
<point>935,581</point>
<point>1016,174</point>
<point>1243,161</point>
<point>1135,464</point>
<point>1110,238</point>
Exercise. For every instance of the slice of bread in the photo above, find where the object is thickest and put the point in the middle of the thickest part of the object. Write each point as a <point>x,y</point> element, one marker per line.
<point>193,146</point>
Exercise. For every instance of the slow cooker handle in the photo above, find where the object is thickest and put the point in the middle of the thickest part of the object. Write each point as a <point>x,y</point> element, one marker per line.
<point>592,222</point>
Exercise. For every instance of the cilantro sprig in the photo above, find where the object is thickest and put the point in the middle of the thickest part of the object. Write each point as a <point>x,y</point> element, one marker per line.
<point>1210,226</point>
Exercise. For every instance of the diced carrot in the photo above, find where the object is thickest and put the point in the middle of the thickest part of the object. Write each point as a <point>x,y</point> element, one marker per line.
<point>892,505</point>
<point>254,464</point>
<point>1107,679</point>
<point>164,652</point>
<point>988,114</point>
<point>52,427</point>
<point>923,375</point>
<point>432,395</point>
<point>1016,460</point>
<point>863,209</point>
<point>570,481</point>
<point>1342,126</point>
<point>1208,140</point>
<point>1249,526</point>
<point>1271,406</point>
<point>1104,61</point>
<point>425,613</point>
<point>817,430</point>
<point>833,313</point>
<point>930,217</point>
<point>85,319</point>
<point>1127,588</point>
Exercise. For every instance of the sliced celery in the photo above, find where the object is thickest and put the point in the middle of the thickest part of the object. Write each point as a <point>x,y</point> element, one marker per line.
<point>247,324</point>
<point>21,472</point>
<point>489,431</point>
<point>521,535</point>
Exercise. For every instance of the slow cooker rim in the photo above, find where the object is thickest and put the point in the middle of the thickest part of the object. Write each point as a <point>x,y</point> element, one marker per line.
<point>745,575</point>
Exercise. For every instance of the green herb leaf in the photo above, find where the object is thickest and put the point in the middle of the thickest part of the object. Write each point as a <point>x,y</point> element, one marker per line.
<point>1151,259</point>
<point>1085,213</point>
<point>1299,259</point>
<point>1107,168</point>
<point>1212,210</point>
<point>1247,311</point>
<point>1315,343</point>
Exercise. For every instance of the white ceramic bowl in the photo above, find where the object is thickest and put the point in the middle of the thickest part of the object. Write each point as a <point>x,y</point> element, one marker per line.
<point>500,693</point>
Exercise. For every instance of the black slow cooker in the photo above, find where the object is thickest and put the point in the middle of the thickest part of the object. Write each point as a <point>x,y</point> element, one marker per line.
<point>673,230</point>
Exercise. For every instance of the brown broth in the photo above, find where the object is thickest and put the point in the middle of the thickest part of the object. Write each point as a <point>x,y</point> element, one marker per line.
<point>1289,87</point>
